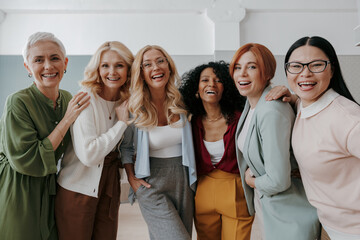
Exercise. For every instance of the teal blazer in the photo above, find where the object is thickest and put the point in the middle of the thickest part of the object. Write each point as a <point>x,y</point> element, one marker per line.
<point>287,214</point>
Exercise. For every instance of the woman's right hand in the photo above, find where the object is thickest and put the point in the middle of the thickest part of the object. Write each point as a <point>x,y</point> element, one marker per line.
<point>76,105</point>
<point>249,178</point>
<point>135,183</point>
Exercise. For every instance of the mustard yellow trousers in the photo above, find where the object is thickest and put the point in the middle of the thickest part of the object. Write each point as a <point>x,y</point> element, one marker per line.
<point>220,208</point>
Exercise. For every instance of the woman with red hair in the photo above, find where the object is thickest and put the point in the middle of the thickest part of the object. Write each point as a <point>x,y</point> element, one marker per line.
<point>264,151</point>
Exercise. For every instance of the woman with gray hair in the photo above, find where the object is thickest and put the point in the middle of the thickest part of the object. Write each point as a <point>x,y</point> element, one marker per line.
<point>33,137</point>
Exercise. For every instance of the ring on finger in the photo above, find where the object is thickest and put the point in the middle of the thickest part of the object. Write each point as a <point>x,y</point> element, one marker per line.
<point>79,105</point>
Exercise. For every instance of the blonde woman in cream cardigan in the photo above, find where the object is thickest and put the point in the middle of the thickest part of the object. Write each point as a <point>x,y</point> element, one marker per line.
<point>88,197</point>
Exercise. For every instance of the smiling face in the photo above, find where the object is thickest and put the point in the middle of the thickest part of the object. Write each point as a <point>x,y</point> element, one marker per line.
<point>247,78</point>
<point>210,87</point>
<point>47,64</point>
<point>156,76</point>
<point>113,71</point>
<point>307,85</point>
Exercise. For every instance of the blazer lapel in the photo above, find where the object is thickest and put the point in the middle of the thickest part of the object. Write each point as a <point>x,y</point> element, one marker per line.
<point>257,166</point>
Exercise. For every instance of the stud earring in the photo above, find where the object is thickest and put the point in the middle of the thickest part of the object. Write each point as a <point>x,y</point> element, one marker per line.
<point>197,95</point>
<point>30,75</point>
<point>64,71</point>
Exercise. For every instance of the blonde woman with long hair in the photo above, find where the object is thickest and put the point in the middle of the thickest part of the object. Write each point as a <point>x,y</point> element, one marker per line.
<point>88,197</point>
<point>165,175</point>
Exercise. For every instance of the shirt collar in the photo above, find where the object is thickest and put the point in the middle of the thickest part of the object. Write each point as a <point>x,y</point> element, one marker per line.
<point>319,105</point>
<point>43,98</point>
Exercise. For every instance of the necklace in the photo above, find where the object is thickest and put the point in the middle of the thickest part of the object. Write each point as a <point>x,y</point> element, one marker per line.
<point>215,119</point>
<point>110,112</point>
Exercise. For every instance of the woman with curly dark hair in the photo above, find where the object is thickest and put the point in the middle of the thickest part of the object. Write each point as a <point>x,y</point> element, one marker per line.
<point>210,96</point>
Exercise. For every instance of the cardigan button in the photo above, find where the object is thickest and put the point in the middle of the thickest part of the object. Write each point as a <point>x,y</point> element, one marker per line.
<point>98,165</point>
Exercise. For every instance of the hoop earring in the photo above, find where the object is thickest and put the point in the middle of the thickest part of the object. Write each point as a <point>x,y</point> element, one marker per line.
<point>29,75</point>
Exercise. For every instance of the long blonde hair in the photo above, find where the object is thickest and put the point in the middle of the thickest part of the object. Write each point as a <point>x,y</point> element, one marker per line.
<point>92,77</point>
<point>140,105</point>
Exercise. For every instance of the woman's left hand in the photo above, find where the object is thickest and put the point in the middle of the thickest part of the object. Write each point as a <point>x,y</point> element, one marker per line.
<point>249,178</point>
<point>279,92</point>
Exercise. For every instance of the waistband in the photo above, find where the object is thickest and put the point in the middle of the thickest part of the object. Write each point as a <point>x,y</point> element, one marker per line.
<point>219,174</point>
<point>111,159</point>
<point>165,162</point>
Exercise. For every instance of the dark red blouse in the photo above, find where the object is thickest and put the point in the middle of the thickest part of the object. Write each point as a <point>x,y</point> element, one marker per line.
<point>228,162</point>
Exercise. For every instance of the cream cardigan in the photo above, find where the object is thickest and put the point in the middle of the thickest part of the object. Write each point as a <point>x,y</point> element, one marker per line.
<point>93,137</point>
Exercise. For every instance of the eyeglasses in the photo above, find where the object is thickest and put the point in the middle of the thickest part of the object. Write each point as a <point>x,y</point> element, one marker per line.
<point>160,62</point>
<point>316,66</point>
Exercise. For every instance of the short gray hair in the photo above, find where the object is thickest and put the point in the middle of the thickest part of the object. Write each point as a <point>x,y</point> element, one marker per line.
<point>41,36</point>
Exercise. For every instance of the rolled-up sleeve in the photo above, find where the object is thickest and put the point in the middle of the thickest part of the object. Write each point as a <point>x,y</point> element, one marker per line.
<point>126,147</point>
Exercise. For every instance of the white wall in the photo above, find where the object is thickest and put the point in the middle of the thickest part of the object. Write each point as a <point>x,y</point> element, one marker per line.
<point>181,27</point>
<point>278,30</point>
<point>192,31</point>
<point>179,33</point>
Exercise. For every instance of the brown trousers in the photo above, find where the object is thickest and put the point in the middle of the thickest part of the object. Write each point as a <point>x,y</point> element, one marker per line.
<point>81,217</point>
<point>220,208</point>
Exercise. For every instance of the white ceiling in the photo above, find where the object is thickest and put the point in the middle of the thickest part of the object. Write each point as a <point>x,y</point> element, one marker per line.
<point>167,6</point>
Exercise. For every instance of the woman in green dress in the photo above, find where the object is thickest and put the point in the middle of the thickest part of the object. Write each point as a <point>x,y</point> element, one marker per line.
<point>33,137</point>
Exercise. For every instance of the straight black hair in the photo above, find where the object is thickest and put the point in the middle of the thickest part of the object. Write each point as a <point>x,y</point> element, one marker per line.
<point>337,81</point>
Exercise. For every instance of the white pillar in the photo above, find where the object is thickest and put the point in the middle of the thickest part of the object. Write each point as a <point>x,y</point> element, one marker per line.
<point>226,16</point>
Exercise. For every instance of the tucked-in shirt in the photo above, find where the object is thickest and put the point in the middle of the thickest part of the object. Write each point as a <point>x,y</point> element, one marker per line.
<point>325,141</point>
<point>141,144</point>
<point>28,164</point>
<point>165,141</point>
<point>216,150</point>
<point>228,163</point>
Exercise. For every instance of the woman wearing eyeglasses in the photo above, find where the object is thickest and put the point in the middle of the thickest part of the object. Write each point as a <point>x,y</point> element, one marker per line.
<point>326,135</point>
<point>264,151</point>
<point>165,174</point>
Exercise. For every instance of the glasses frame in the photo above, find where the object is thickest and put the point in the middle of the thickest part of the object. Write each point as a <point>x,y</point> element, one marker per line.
<point>327,62</point>
<point>156,63</point>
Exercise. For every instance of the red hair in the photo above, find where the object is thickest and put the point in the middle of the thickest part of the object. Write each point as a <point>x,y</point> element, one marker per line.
<point>265,60</point>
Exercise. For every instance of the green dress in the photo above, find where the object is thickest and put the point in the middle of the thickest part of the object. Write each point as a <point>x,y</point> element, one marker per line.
<point>28,164</point>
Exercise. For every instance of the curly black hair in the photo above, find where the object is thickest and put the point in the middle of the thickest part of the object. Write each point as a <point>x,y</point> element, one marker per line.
<point>231,100</point>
